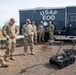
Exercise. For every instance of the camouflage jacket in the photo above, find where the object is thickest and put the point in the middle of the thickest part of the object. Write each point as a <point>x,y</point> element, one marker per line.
<point>51,28</point>
<point>10,30</point>
<point>34,29</point>
<point>27,30</point>
<point>40,28</point>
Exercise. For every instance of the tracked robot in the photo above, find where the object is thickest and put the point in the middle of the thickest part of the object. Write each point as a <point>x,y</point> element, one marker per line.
<point>62,60</point>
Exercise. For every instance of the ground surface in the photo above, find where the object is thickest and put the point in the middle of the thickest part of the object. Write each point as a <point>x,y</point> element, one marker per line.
<point>37,64</point>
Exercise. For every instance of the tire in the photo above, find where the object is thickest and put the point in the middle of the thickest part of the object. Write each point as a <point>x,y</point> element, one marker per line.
<point>62,65</point>
<point>51,61</point>
<point>72,60</point>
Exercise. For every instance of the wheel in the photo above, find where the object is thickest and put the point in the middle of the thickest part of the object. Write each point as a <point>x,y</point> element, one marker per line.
<point>62,65</point>
<point>66,62</point>
<point>51,61</point>
<point>72,60</point>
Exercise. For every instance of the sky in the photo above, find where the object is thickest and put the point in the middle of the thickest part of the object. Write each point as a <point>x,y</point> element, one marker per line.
<point>10,8</point>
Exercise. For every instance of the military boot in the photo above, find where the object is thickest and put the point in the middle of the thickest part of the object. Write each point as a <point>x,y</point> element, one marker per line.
<point>25,54</point>
<point>12,58</point>
<point>32,52</point>
<point>35,43</point>
<point>6,59</point>
<point>4,65</point>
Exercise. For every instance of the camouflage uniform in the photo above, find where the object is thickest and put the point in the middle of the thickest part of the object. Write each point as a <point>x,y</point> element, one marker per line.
<point>41,32</point>
<point>51,31</point>
<point>12,31</point>
<point>35,32</point>
<point>27,31</point>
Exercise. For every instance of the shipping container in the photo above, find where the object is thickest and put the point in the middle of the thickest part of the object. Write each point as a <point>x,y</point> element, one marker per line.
<point>64,19</point>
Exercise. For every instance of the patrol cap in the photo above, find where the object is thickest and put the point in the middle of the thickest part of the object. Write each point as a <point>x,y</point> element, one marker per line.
<point>28,20</point>
<point>50,22</point>
<point>41,22</point>
<point>33,22</point>
<point>13,20</point>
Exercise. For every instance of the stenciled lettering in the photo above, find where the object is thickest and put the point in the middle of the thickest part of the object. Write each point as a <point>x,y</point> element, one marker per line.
<point>48,14</point>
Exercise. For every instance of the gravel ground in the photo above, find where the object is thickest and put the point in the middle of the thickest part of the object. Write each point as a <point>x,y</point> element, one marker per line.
<point>37,64</point>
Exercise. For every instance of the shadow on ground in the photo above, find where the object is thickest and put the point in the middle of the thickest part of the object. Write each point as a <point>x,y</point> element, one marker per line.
<point>18,55</point>
<point>47,65</point>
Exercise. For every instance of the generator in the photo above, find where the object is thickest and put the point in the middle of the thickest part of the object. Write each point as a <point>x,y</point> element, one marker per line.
<point>62,60</point>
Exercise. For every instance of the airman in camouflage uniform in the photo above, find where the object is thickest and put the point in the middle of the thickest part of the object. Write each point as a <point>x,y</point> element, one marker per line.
<point>28,32</point>
<point>10,31</point>
<point>51,31</point>
<point>41,32</point>
<point>35,32</point>
<point>2,62</point>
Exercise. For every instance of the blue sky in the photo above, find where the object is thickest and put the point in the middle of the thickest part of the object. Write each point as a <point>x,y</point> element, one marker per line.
<point>10,8</point>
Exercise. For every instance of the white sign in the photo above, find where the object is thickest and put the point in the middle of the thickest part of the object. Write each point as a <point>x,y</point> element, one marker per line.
<point>48,15</point>
<point>45,23</point>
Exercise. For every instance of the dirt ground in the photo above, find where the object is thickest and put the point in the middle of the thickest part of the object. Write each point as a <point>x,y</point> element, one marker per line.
<point>37,64</point>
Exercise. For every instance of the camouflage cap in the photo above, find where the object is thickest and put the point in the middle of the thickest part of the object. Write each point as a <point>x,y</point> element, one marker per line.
<point>50,22</point>
<point>28,20</point>
<point>33,22</point>
<point>12,19</point>
<point>41,22</point>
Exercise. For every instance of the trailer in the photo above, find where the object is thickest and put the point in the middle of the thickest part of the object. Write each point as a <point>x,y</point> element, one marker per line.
<point>64,19</point>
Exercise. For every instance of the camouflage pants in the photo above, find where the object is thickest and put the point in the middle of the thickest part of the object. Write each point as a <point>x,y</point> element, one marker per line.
<point>41,36</point>
<point>35,37</point>
<point>51,35</point>
<point>28,41</point>
<point>11,44</point>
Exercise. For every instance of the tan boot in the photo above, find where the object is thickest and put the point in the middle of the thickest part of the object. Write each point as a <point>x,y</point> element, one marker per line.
<point>32,53</point>
<point>25,54</point>
<point>35,42</point>
<point>12,58</point>
<point>4,65</point>
<point>6,59</point>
